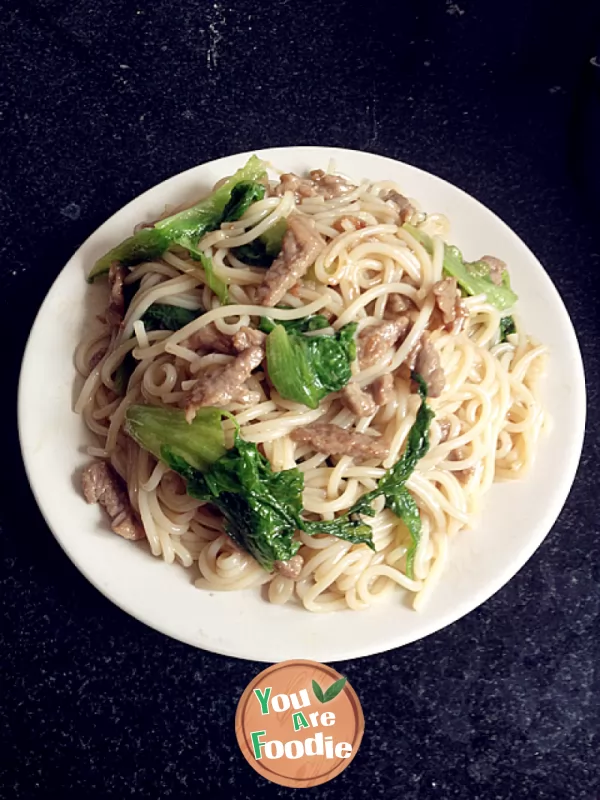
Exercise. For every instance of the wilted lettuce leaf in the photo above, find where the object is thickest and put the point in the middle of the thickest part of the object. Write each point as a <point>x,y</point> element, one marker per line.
<point>308,368</point>
<point>392,486</point>
<point>190,224</point>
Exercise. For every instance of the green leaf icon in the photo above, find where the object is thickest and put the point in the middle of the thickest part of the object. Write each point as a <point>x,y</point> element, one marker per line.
<point>318,692</point>
<point>331,693</point>
<point>334,690</point>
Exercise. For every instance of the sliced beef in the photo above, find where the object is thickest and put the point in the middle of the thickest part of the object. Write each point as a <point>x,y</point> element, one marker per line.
<point>335,441</point>
<point>497,267</point>
<point>245,396</point>
<point>116,302</point>
<point>411,359</point>
<point>289,182</point>
<point>402,204</point>
<point>448,302</point>
<point>318,183</point>
<point>375,341</point>
<point>330,186</point>
<point>101,484</point>
<point>427,364</point>
<point>210,340</point>
<point>382,390</point>
<point>228,385</point>
<point>290,569</point>
<point>445,298</point>
<point>248,337</point>
<point>397,304</point>
<point>366,403</point>
<point>358,401</point>
<point>301,245</point>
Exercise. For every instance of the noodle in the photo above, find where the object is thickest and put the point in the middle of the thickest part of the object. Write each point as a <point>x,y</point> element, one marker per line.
<point>487,422</point>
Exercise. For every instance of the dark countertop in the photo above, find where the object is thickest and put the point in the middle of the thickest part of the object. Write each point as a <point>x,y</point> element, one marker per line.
<point>99,102</point>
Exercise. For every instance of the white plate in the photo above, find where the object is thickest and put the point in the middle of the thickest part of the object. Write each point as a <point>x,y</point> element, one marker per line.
<point>516,518</point>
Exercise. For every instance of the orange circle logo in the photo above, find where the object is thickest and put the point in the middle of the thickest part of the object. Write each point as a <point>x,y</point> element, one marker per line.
<point>299,723</point>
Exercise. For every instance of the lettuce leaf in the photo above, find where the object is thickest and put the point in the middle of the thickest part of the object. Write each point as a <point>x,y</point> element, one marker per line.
<point>473,277</point>
<point>164,317</point>
<point>314,322</point>
<point>215,284</point>
<point>262,251</point>
<point>190,224</point>
<point>243,195</point>
<point>200,443</point>
<point>306,369</point>
<point>262,509</point>
<point>507,327</point>
<point>392,486</point>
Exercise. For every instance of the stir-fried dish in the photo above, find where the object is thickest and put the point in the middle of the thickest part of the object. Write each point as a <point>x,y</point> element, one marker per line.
<point>300,382</point>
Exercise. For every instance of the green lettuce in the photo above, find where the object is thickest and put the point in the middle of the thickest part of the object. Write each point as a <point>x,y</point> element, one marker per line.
<point>314,322</point>
<point>262,251</point>
<point>164,317</point>
<point>215,284</point>
<point>306,369</point>
<point>243,195</point>
<point>392,486</point>
<point>262,509</point>
<point>473,277</point>
<point>189,225</point>
<point>507,327</point>
<point>165,430</point>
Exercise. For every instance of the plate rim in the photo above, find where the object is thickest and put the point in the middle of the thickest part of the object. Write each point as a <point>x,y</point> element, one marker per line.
<point>345,652</point>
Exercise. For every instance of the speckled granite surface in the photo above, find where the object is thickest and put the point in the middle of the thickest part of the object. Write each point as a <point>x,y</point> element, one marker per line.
<point>101,101</point>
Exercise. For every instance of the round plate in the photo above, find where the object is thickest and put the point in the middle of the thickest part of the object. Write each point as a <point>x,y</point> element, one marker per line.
<point>516,518</point>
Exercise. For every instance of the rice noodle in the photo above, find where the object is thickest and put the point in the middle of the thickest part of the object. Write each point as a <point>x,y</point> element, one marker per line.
<point>490,405</point>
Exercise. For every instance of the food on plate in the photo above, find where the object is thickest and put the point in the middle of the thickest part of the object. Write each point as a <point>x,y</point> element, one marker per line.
<point>298,381</point>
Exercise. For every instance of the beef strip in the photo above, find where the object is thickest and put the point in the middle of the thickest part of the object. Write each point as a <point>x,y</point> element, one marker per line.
<point>497,267</point>
<point>318,183</point>
<point>289,182</point>
<point>397,304</point>
<point>448,302</point>
<point>248,337</point>
<point>116,302</point>
<point>375,341</point>
<point>245,396</point>
<point>427,364</point>
<point>358,401</point>
<point>301,245</point>
<point>211,340</point>
<point>223,388</point>
<point>335,441</point>
<point>461,317</point>
<point>382,389</point>
<point>403,205</point>
<point>290,569</point>
<point>445,298</point>
<point>330,186</point>
<point>101,484</point>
